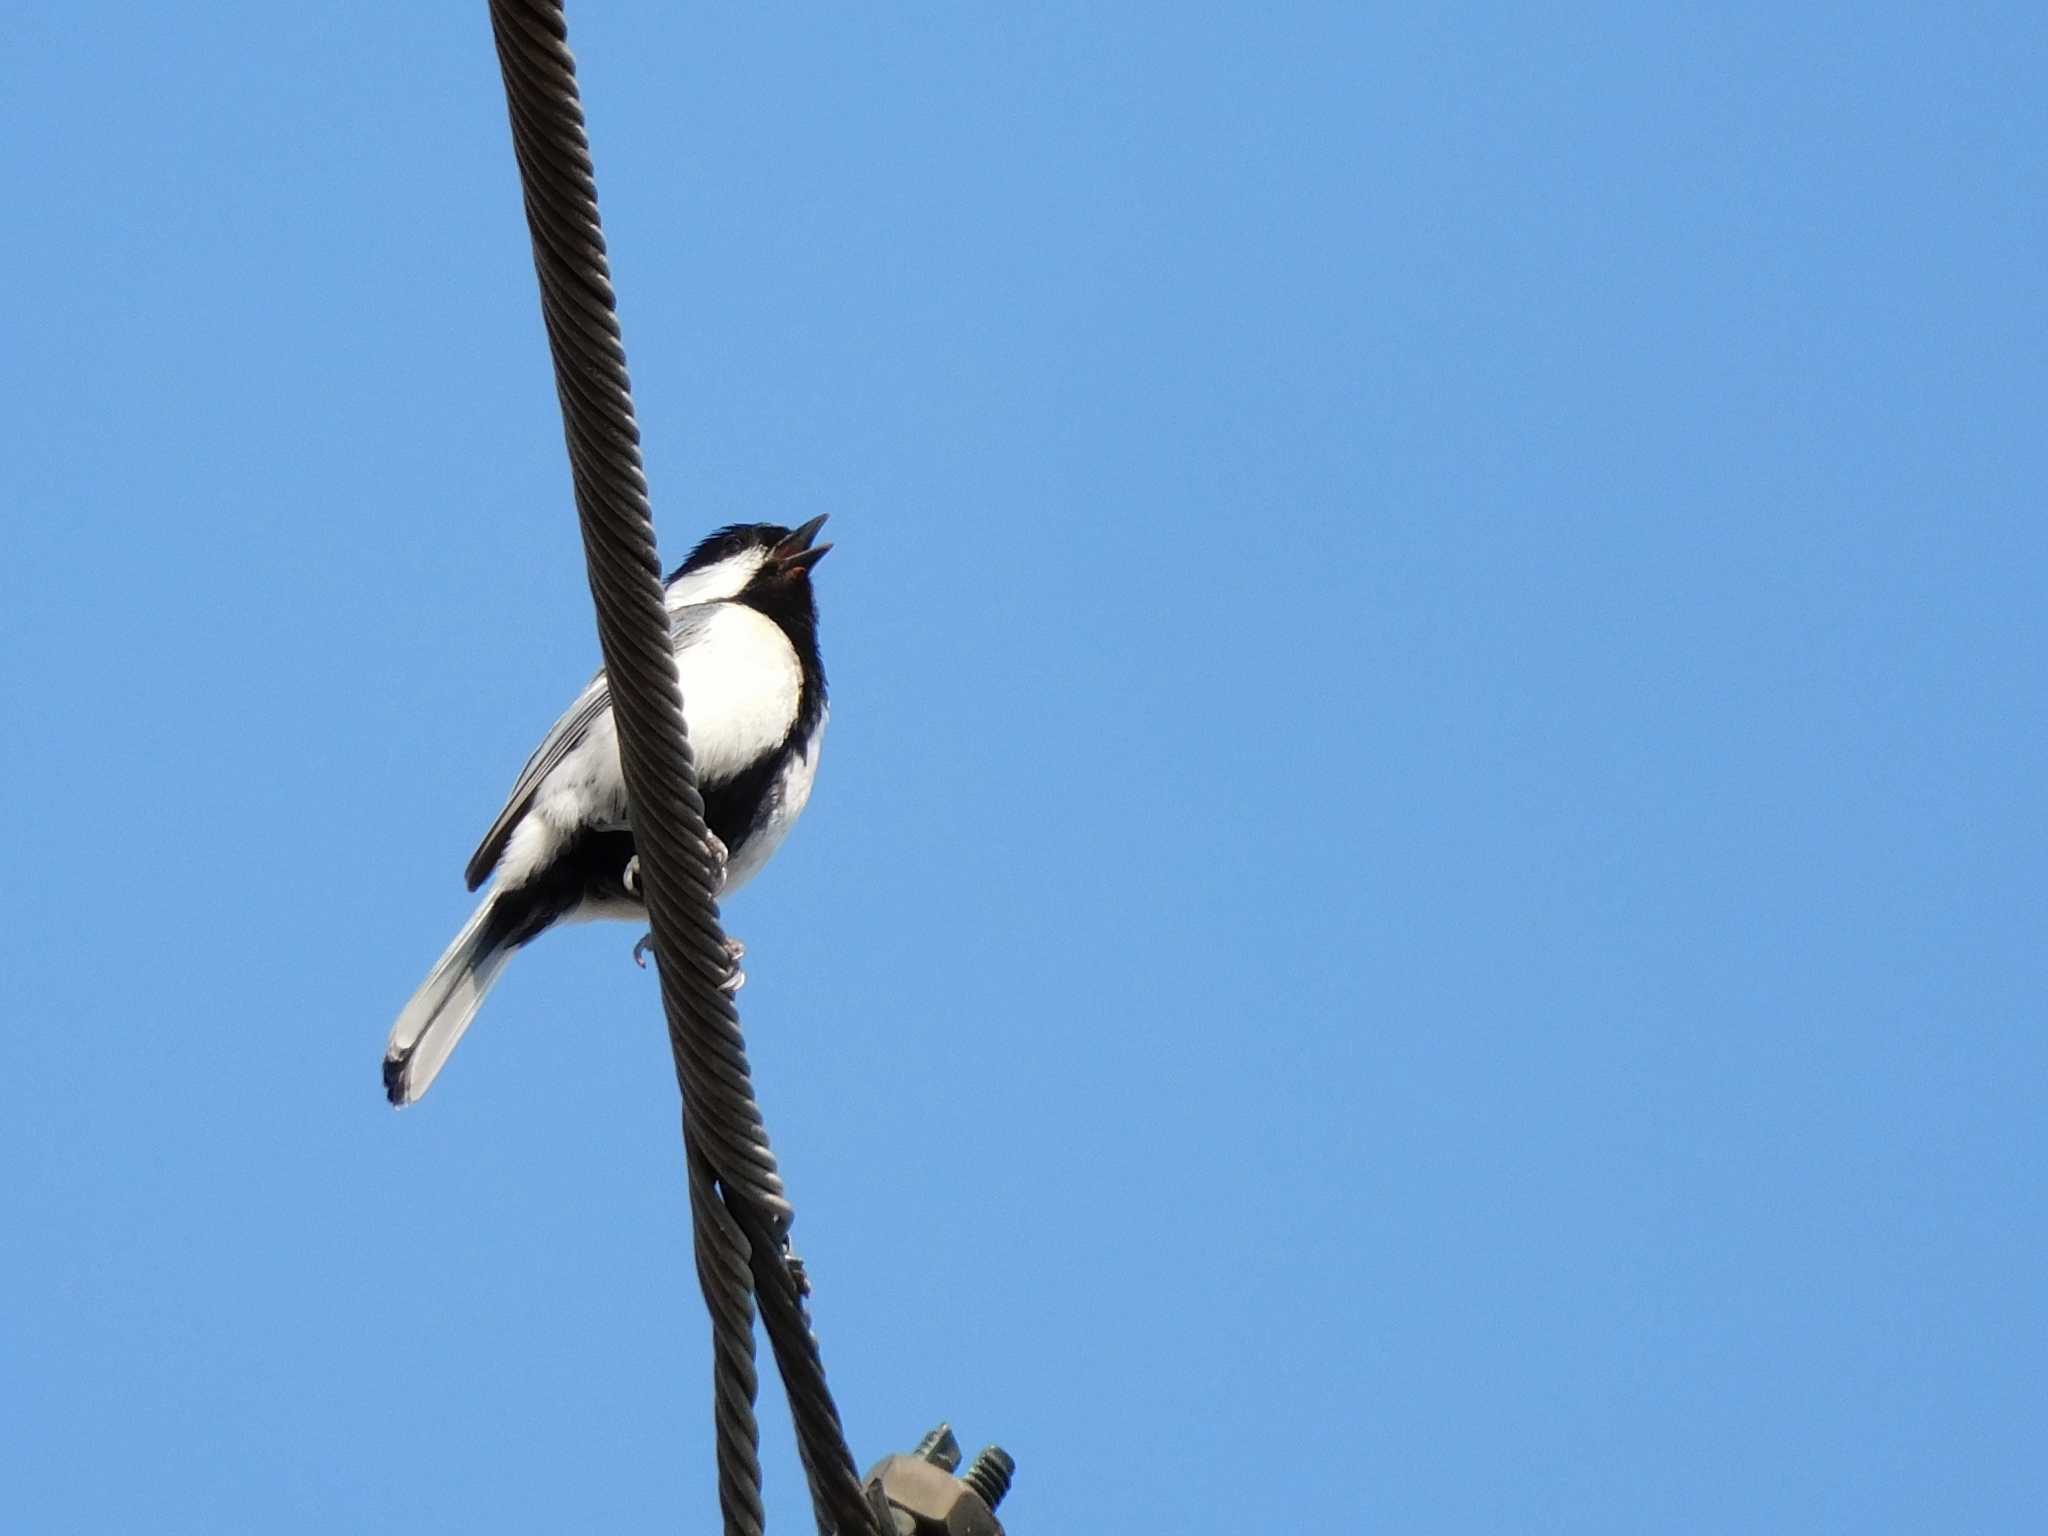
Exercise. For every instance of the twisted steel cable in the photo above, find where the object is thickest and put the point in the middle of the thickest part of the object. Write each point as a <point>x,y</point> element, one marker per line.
<point>739,1215</point>
<point>836,1490</point>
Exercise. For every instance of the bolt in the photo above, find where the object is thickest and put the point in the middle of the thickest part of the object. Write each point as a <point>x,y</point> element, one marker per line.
<point>939,1448</point>
<point>990,1474</point>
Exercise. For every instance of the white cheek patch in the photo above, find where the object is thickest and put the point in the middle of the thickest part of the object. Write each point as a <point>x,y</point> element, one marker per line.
<point>715,583</point>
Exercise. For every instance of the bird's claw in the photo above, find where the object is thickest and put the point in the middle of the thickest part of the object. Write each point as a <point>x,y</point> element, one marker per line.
<point>712,845</point>
<point>735,952</point>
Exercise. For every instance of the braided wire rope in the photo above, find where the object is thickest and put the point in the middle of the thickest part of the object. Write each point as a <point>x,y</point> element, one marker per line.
<point>740,1216</point>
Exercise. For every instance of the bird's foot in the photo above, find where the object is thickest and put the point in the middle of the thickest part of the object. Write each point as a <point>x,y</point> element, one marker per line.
<point>712,844</point>
<point>735,952</point>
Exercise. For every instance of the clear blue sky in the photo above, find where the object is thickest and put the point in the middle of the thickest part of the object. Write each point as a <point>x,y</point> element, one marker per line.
<point>1425,908</point>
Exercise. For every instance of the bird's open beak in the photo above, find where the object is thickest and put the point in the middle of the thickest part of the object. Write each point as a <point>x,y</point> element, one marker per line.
<point>797,553</point>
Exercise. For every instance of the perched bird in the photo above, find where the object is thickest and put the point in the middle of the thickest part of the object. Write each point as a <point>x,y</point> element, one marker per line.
<point>745,628</point>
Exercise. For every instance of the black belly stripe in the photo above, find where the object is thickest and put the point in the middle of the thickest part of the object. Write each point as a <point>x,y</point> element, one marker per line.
<point>736,806</point>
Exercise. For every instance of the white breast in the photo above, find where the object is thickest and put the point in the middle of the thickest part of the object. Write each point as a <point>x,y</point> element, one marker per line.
<point>741,683</point>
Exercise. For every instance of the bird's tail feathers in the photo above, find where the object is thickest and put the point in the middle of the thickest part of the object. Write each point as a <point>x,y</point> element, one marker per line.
<point>430,1025</point>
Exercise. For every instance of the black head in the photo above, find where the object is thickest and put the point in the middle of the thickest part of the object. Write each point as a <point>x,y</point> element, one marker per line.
<point>733,559</point>
<point>767,567</point>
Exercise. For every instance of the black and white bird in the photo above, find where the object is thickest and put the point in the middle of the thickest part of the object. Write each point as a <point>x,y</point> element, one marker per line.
<point>745,627</point>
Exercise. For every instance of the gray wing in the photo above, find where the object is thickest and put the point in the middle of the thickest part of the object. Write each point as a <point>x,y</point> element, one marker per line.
<point>565,737</point>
